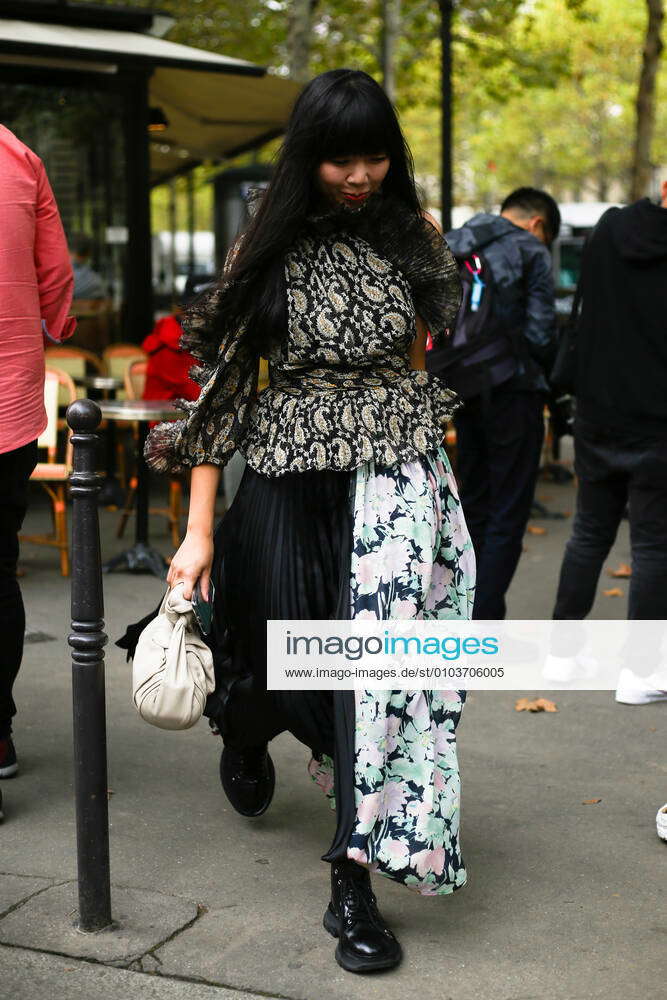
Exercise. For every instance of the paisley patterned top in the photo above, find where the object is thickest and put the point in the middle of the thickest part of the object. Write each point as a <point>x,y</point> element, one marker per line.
<point>341,388</point>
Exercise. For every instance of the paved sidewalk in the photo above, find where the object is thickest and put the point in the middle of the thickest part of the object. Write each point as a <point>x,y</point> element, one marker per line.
<point>31,975</point>
<point>565,901</point>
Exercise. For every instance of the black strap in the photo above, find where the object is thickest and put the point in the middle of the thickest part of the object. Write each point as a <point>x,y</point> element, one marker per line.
<point>578,294</point>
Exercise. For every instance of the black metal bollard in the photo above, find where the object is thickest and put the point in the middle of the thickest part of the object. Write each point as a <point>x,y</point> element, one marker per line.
<point>87,641</point>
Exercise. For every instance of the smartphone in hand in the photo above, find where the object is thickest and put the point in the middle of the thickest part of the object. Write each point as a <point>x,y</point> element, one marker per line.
<point>203,610</point>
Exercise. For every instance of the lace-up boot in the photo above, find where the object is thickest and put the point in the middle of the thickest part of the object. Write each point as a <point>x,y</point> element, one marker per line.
<point>248,778</point>
<point>365,943</point>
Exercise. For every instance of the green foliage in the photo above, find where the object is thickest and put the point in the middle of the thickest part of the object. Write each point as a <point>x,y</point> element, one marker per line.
<point>570,132</point>
<point>544,89</point>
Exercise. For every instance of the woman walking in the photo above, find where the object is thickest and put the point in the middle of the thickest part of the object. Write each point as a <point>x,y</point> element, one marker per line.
<point>348,507</point>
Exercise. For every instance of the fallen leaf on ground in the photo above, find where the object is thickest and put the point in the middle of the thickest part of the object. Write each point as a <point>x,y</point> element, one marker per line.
<point>535,705</point>
<point>622,571</point>
<point>591,802</point>
<point>613,592</point>
<point>536,529</point>
<point>109,792</point>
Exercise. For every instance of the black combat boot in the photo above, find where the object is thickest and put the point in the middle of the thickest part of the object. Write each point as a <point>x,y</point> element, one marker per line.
<point>248,778</point>
<point>365,943</point>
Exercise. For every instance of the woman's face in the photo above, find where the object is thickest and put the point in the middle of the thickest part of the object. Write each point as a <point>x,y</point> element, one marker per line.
<point>349,180</point>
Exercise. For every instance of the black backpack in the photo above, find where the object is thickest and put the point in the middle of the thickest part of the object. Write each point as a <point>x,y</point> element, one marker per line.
<point>478,345</point>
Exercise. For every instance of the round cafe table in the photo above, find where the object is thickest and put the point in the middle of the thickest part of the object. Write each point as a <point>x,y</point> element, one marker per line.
<point>140,558</point>
<point>111,492</point>
<point>110,383</point>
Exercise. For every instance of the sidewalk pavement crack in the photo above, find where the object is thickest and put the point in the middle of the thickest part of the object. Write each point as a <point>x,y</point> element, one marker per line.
<point>242,990</point>
<point>26,899</point>
<point>201,910</point>
<point>44,878</point>
<point>247,990</point>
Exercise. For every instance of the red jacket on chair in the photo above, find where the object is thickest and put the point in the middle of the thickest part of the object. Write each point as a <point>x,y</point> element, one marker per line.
<point>168,366</point>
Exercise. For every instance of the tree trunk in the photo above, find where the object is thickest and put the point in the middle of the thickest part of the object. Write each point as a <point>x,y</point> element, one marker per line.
<point>645,121</point>
<point>446,141</point>
<point>298,38</point>
<point>391,30</point>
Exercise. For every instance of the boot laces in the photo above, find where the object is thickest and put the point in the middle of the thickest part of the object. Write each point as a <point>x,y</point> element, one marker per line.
<point>357,902</point>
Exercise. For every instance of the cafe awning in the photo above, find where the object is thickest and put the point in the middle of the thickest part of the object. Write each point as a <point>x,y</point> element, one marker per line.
<point>212,116</point>
<point>215,106</point>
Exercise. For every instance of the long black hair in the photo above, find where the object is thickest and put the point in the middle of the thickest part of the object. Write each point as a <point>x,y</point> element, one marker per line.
<point>341,112</point>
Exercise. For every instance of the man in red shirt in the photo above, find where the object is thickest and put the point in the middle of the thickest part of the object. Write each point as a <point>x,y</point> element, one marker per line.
<point>35,295</point>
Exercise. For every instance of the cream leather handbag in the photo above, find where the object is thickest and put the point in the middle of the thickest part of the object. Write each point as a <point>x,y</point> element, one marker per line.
<point>172,671</point>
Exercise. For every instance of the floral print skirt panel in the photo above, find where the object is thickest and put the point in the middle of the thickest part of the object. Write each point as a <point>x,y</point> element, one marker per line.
<point>412,558</point>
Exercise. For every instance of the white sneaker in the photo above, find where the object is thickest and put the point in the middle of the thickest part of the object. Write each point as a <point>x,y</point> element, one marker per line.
<point>661,822</point>
<point>564,669</point>
<point>634,690</point>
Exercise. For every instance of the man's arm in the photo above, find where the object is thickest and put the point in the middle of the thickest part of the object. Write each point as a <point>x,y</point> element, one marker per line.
<point>52,264</point>
<point>540,328</point>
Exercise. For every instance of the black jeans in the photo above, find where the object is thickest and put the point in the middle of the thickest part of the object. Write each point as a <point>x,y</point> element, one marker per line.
<point>617,468</point>
<point>499,439</point>
<point>15,469</point>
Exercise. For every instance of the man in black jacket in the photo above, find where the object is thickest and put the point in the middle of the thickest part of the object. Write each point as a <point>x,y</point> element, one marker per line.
<point>620,430</point>
<point>500,429</point>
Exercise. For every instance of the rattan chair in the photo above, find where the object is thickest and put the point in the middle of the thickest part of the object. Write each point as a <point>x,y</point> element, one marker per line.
<point>117,357</point>
<point>135,381</point>
<point>54,474</point>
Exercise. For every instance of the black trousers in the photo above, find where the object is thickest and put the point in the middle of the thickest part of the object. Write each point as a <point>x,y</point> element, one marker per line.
<point>499,439</point>
<point>617,469</point>
<point>15,470</point>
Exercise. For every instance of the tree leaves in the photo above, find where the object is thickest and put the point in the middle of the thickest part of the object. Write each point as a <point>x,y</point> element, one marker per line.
<point>543,92</point>
<point>622,571</point>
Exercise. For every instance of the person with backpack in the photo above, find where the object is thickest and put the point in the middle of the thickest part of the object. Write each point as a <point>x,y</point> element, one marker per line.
<point>501,344</point>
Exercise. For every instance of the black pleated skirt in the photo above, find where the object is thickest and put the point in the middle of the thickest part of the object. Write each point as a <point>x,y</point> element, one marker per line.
<point>283,551</point>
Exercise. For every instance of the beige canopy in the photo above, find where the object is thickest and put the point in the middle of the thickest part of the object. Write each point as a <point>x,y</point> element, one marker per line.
<point>214,116</point>
<point>215,105</point>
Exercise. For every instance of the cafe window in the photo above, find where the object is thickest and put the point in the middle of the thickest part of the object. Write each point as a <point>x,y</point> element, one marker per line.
<point>78,133</point>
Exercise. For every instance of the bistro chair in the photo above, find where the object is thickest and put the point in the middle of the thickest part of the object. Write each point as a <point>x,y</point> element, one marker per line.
<point>53,474</point>
<point>135,381</point>
<point>134,377</point>
<point>77,362</point>
<point>117,357</point>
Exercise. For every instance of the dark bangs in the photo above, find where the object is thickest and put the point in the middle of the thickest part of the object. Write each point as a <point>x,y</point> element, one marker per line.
<point>359,127</point>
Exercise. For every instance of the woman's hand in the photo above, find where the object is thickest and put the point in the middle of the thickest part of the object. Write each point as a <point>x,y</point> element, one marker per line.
<point>193,562</point>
